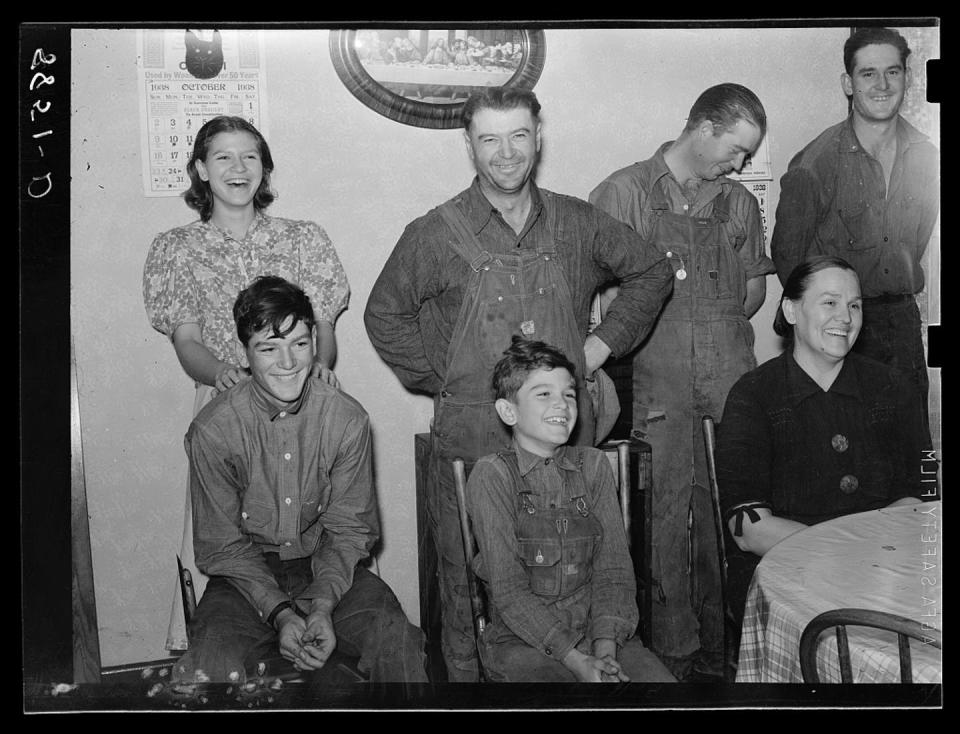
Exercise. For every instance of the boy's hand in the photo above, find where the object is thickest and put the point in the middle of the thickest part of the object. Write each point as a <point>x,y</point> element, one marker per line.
<point>319,640</point>
<point>307,643</point>
<point>605,650</point>
<point>290,637</point>
<point>591,669</point>
<point>610,670</point>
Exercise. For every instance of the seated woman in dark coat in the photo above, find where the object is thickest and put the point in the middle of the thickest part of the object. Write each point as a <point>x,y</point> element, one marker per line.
<point>819,431</point>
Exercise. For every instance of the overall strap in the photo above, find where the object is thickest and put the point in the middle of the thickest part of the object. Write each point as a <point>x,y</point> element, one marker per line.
<point>509,458</point>
<point>721,208</point>
<point>551,212</point>
<point>465,243</point>
<point>584,488</point>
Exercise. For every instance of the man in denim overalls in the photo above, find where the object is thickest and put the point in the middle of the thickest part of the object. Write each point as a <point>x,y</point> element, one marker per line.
<point>503,257</point>
<point>709,229</point>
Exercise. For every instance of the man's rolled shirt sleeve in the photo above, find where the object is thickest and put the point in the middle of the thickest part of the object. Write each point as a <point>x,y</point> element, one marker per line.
<point>393,313</point>
<point>645,277</point>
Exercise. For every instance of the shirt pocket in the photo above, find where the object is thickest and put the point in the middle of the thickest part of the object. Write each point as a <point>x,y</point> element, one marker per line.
<point>718,272</point>
<point>852,227</point>
<point>541,558</point>
<point>313,506</point>
<point>257,520</point>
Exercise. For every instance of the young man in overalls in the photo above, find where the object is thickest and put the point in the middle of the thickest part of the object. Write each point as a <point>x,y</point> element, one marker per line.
<point>503,257</point>
<point>709,228</point>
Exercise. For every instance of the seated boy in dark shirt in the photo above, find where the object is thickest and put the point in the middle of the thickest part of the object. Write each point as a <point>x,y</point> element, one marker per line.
<point>553,553</point>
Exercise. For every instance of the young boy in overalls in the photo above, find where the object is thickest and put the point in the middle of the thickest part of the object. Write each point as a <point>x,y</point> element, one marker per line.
<point>552,551</point>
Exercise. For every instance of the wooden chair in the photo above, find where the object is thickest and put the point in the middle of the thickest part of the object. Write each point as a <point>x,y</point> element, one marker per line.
<point>188,593</point>
<point>840,619</point>
<point>730,631</point>
<point>478,605</point>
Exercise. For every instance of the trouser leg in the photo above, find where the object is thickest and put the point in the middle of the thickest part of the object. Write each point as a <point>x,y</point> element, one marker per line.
<point>706,597</point>
<point>643,666</point>
<point>511,660</point>
<point>674,624</point>
<point>228,639</point>
<point>370,624</point>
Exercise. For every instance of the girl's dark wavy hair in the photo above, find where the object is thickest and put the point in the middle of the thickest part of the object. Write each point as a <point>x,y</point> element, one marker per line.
<point>199,196</point>
<point>797,284</point>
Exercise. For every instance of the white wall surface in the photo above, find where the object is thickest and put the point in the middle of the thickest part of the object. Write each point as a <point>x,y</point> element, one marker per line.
<point>609,96</point>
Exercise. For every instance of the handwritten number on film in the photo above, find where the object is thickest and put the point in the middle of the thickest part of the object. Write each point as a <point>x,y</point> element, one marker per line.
<point>40,186</point>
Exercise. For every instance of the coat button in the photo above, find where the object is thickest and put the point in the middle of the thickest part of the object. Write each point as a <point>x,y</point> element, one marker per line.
<point>840,443</point>
<point>849,484</point>
<point>548,650</point>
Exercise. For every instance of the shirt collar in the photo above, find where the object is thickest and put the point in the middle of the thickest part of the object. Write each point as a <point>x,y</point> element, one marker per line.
<point>269,405</point>
<point>528,461</point>
<point>801,386</point>
<point>661,171</point>
<point>479,211</point>
<point>907,135</point>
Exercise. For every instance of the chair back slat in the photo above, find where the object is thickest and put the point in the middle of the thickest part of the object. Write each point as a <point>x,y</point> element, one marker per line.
<point>906,663</point>
<point>623,477</point>
<point>843,652</point>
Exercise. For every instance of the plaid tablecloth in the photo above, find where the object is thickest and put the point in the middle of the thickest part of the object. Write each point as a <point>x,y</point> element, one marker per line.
<point>887,559</point>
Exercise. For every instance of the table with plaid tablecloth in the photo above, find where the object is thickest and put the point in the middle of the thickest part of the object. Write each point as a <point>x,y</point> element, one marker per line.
<point>887,559</point>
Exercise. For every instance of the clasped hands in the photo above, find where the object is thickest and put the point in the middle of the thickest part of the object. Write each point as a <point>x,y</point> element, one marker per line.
<point>600,667</point>
<point>306,642</point>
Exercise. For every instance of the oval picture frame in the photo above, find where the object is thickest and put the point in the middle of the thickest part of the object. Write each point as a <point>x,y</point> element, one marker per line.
<point>425,94</point>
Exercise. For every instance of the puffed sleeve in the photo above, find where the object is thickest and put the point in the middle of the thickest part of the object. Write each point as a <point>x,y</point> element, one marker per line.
<point>170,293</point>
<point>322,276</point>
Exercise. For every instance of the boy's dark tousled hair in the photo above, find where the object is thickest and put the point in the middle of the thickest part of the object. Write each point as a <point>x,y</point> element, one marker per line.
<point>267,302</point>
<point>520,359</point>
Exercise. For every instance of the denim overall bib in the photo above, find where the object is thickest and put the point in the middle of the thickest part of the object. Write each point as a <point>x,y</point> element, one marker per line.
<point>556,546</point>
<point>702,343</point>
<point>523,292</point>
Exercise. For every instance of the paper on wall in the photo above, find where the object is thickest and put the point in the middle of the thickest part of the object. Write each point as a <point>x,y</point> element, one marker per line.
<point>756,175</point>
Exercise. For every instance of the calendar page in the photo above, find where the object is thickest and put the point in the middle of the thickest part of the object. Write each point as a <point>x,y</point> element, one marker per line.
<point>756,175</point>
<point>186,78</point>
